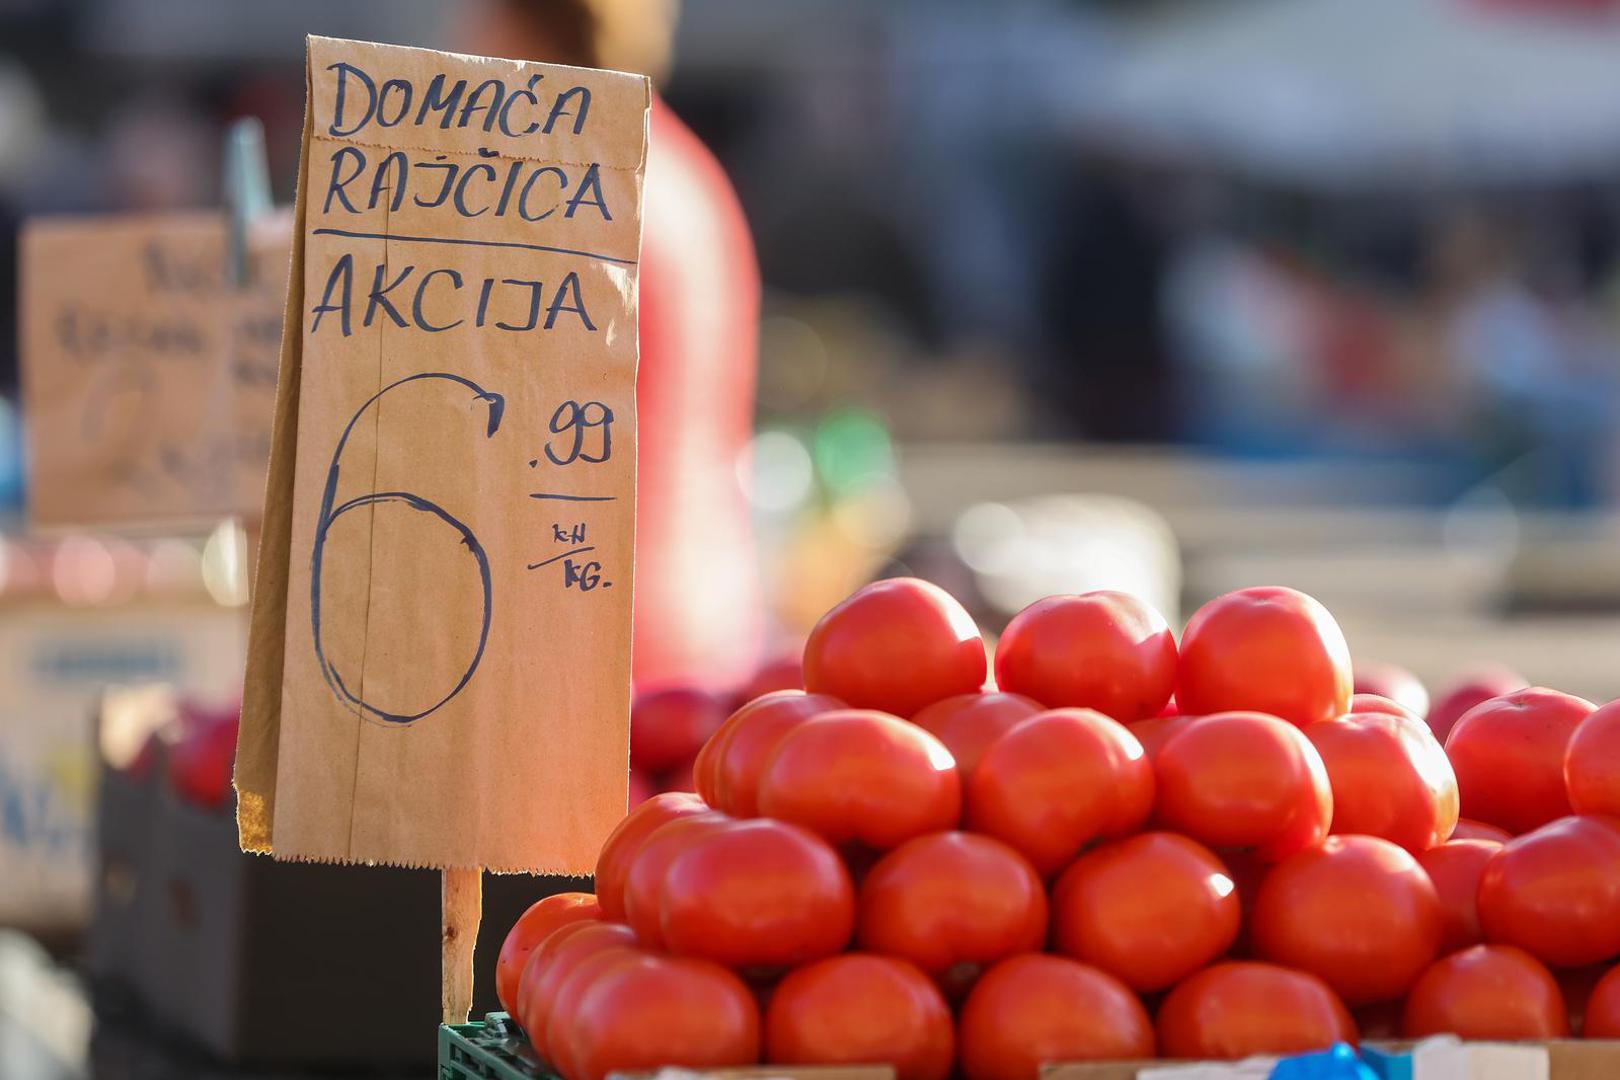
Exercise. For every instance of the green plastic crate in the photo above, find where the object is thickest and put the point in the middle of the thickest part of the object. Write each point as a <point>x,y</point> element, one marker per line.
<point>489,1049</point>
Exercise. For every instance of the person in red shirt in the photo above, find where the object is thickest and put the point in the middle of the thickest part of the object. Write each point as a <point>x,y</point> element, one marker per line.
<point>698,609</point>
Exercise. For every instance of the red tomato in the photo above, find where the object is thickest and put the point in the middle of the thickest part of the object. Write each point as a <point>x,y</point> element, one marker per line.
<point>859,1009</point>
<point>1390,778</point>
<point>531,928</point>
<point>1478,830</point>
<point>579,977</point>
<point>640,789</point>
<point>1592,763</point>
<point>1102,650</point>
<point>895,645</point>
<point>1392,682</point>
<point>201,763</point>
<point>783,673</point>
<point>1603,1008</point>
<point>1239,780</point>
<point>1474,688</point>
<point>1358,912</point>
<point>1555,892</point>
<point>1150,909</point>
<point>554,960</point>
<point>1508,754</point>
<point>1236,1009</point>
<point>760,893</point>
<point>748,739</point>
<point>1058,781</point>
<point>660,1010</point>
<point>855,775</point>
<point>1455,868</point>
<point>644,883</point>
<point>968,723</point>
<point>1155,731</point>
<point>951,898</point>
<point>1490,992</point>
<point>619,850</point>
<point>1268,649</point>
<point>1033,1008</point>
<point>1378,703</point>
<point>669,726</point>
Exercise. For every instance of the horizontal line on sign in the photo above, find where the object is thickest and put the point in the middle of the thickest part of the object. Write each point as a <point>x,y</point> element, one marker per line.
<point>564,555</point>
<point>570,498</point>
<point>472,243</point>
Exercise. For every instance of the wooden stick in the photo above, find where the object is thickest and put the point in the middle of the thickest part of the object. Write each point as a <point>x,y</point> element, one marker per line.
<point>462,899</point>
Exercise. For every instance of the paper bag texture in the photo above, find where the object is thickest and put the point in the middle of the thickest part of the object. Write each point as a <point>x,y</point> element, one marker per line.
<point>148,379</point>
<point>440,649</point>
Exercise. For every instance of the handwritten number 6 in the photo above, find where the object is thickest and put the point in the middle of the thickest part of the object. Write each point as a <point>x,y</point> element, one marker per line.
<point>572,417</point>
<point>330,513</point>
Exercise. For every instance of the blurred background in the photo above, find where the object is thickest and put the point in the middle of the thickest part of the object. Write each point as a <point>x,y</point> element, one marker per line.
<point>1053,295</point>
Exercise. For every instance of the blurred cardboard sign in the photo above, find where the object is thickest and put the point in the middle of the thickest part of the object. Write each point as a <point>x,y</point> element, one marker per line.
<point>439,660</point>
<point>149,381</point>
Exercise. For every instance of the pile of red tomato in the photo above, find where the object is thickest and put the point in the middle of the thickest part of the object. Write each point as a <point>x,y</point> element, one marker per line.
<point>1129,848</point>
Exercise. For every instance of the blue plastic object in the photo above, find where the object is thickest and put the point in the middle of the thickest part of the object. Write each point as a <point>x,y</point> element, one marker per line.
<point>1339,1063</point>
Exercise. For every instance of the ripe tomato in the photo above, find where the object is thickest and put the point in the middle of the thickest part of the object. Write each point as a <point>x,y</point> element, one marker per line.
<point>1268,649</point>
<point>1603,1008</point>
<point>660,1010</point>
<point>760,893</point>
<point>783,673</point>
<point>1239,780</point>
<point>856,775</point>
<point>554,960</point>
<point>644,883</point>
<point>531,928</point>
<point>1508,754</point>
<point>619,850</point>
<point>1058,781</point>
<point>1392,682</point>
<point>743,745</point>
<point>1103,650</point>
<point>1155,731</point>
<point>640,789</point>
<point>968,723</point>
<point>1150,909</point>
<point>1555,892</point>
<point>1472,688</point>
<point>895,645</point>
<point>580,976</point>
<point>860,1009</point>
<point>1378,703</point>
<point>669,726</point>
<point>1592,763</point>
<point>1390,778</point>
<point>1490,992</point>
<point>1236,1009</point>
<point>951,898</point>
<point>1033,1008</point>
<point>1359,912</point>
<point>1478,830</point>
<point>1455,868</point>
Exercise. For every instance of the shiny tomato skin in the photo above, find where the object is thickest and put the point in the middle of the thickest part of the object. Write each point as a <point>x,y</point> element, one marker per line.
<point>1508,754</point>
<point>1103,650</point>
<point>1240,1008</point>
<point>745,742</point>
<point>531,928</point>
<point>1390,778</point>
<point>1555,892</point>
<point>1487,992</point>
<point>1391,682</point>
<point>760,893</point>
<point>951,898</point>
<point>1268,649</point>
<point>895,645</point>
<point>861,1009</point>
<point>1455,868</point>
<point>668,726</point>
<point>1592,763</point>
<point>1358,912</point>
<point>861,776</point>
<point>1149,909</point>
<point>1243,780</point>
<point>1468,690</point>
<point>1058,781</point>
<point>619,850</point>
<point>658,1011</point>
<point>1478,830</point>
<point>1155,731</point>
<point>644,883</point>
<point>1377,703</point>
<point>1033,1008</point>
<point>968,723</point>
<point>1603,1008</point>
<point>554,962</point>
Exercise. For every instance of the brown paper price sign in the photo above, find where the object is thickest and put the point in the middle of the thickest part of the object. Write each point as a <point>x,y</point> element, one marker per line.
<point>440,651</point>
<point>149,379</point>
